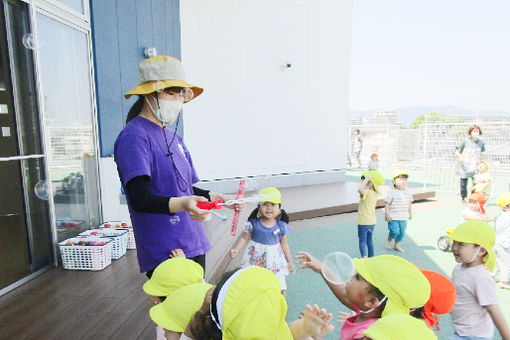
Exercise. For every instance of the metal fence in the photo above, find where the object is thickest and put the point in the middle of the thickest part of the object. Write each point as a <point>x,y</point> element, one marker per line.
<point>429,150</point>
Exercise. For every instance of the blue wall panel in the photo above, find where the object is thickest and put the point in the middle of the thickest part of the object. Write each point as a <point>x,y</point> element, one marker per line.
<point>121,29</point>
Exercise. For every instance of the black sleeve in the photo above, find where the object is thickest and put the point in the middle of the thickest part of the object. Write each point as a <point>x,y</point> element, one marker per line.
<point>142,199</point>
<point>201,192</point>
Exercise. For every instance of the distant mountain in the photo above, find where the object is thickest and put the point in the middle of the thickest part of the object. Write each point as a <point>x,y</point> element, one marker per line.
<point>407,115</point>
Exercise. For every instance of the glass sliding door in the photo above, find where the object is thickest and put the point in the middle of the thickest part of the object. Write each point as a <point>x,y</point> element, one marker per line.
<point>65,72</point>
<point>25,226</point>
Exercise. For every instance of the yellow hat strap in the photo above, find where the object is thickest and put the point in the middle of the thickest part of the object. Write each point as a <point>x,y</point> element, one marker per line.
<point>371,309</point>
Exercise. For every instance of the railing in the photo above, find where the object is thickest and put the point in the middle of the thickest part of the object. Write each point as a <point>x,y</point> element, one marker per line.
<point>430,148</point>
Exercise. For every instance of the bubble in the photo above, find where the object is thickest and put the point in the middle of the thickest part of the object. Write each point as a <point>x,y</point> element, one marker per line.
<point>42,190</point>
<point>29,41</point>
<point>337,268</point>
<point>174,219</point>
<point>251,184</point>
<point>159,86</point>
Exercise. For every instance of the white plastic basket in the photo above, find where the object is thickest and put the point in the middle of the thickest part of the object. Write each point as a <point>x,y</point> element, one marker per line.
<point>131,244</point>
<point>76,257</point>
<point>118,235</point>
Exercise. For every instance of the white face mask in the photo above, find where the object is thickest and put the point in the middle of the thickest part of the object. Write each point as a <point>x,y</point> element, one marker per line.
<point>475,134</point>
<point>168,110</point>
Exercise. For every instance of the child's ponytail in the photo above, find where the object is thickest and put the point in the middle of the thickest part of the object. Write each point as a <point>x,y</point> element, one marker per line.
<point>254,214</point>
<point>283,216</point>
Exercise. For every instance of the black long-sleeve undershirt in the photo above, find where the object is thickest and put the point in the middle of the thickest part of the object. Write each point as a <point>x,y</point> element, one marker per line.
<point>143,200</point>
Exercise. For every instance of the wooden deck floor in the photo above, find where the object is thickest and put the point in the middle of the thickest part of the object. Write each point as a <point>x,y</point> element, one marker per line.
<point>110,304</point>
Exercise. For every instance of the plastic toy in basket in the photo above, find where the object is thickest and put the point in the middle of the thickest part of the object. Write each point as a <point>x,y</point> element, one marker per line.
<point>86,253</point>
<point>118,235</point>
<point>131,244</point>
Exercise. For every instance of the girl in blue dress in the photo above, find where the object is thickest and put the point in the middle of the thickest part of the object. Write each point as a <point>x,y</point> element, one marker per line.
<point>265,235</point>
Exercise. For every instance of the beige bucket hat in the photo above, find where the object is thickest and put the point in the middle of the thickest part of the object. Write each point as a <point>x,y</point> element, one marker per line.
<point>159,73</point>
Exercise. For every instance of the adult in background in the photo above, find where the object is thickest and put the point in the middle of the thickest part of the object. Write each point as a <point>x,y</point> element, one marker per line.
<point>156,169</point>
<point>469,153</point>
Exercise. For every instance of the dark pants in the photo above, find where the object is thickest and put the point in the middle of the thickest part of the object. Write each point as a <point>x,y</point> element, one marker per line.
<point>200,259</point>
<point>365,240</point>
<point>463,186</point>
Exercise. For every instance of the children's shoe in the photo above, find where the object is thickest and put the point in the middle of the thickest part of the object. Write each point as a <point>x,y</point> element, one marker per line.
<point>504,285</point>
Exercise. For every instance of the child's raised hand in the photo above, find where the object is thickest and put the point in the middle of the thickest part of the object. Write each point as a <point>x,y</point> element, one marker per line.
<point>233,253</point>
<point>316,321</point>
<point>343,316</point>
<point>177,253</point>
<point>308,261</point>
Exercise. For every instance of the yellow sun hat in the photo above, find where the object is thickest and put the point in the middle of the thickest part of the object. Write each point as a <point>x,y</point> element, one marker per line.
<point>159,73</point>
<point>253,306</point>
<point>399,172</point>
<point>403,284</point>
<point>173,274</point>
<point>376,178</point>
<point>399,327</point>
<point>175,313</point>
<point>504,199</point>
<point>271,194</point>
<point>480,233</point>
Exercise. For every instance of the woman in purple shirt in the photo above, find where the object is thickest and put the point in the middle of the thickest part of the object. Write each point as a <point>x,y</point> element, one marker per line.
<point>156,170</point>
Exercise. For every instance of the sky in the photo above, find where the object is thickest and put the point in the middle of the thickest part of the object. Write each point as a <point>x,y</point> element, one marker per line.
<point>432,53</point>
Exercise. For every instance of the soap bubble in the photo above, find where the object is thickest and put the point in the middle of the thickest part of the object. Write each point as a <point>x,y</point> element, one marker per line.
<point>29,41</point>
<point>159,86</point>
<point>337,268</point>
<point>251,184</point>
<point>174,219</point>
<point>42,190</point>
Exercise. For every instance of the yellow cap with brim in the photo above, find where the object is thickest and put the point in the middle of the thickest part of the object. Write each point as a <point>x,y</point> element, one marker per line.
<point>173,274</point>
<point>480,233</point>
<point>159,73</point>
<point>399,327</point>
<point>399,172</point>
<point>272,195</point>
<point>178,309</point>
<point>504,199</point>
<point>376,178</point>
<point>403,284</point>
<point>254,307</point>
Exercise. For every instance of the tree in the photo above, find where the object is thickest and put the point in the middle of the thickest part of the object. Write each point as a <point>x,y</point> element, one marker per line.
<point>431,117</point>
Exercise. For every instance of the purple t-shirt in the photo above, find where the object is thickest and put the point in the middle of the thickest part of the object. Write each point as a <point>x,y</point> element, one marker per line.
<point>141,150</point>
<point>270,236</point>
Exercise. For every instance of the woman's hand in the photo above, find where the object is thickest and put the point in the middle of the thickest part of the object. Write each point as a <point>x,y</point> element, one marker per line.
<point>226,197</point>
<point>189,204</point>
<point>308,261</point>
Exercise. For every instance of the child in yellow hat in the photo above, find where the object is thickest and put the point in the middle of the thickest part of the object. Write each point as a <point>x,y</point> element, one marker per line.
<point>502,247</point>
<point>384,285</point>
<point>247,304</point>
<point>398,209</point>
<point>368,193</point>
<point>476,309</point>
<point>169,276</point>
<point>266,236</point>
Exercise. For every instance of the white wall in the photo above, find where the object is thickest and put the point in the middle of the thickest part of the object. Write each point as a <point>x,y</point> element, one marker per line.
<point>255,118</point>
